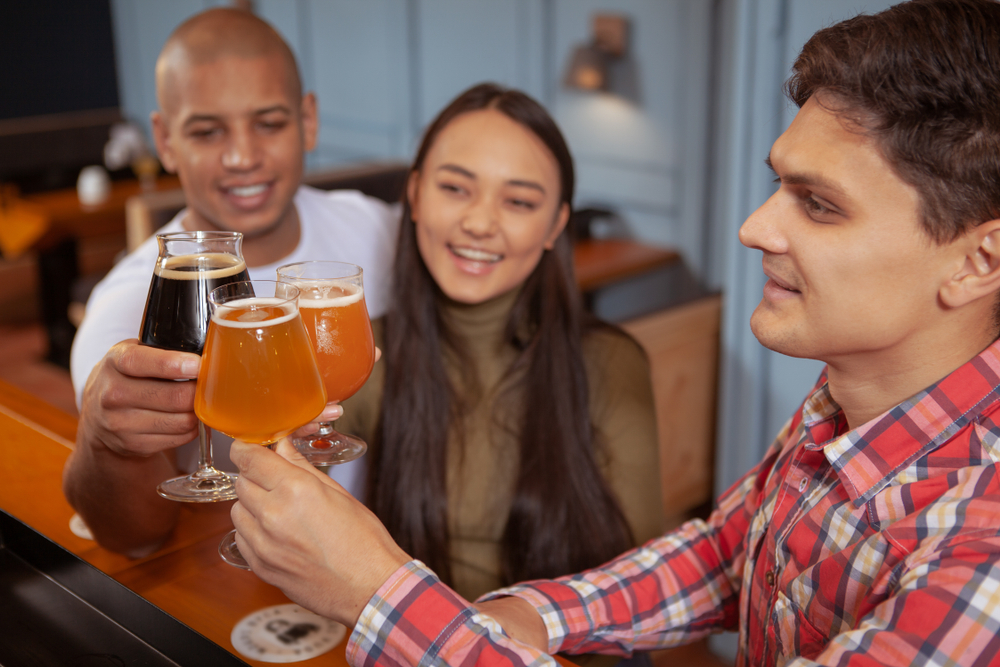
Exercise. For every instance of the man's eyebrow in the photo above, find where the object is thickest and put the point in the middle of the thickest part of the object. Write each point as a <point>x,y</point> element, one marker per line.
<point>200,118</point>
<point>209,118</point>
<point>809,180</point>
<point>276,108</point>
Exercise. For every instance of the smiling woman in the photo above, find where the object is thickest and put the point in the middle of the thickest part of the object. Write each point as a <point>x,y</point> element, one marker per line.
<point>486,204</point>
<point>512,436</point>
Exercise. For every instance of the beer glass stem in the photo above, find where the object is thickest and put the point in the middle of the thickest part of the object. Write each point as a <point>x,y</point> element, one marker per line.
<point>204,485</point>
<point>328,446</point>
<point>205,449</point>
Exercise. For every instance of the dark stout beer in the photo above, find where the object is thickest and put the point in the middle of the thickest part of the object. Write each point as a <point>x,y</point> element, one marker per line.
<point>177,311</point>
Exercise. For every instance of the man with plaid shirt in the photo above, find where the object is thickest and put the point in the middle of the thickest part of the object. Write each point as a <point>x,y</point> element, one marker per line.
<point>870,532</point>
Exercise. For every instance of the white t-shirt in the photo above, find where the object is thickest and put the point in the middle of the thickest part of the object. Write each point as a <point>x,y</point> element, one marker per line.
<point>341,225</point>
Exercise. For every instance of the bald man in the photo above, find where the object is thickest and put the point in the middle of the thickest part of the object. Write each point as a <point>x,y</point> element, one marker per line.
<point>234,125</point>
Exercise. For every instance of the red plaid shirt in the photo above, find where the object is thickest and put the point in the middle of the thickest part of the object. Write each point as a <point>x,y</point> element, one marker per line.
<point>879,545</point>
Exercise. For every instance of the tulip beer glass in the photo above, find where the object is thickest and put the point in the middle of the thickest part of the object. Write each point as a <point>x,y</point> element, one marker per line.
<point>258,380</point>
<point>332,305</point>
<point>189,266</point>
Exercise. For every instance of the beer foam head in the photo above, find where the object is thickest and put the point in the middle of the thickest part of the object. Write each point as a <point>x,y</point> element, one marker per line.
<point>254,312</point>
<point>202,266</point>
<point>327,293</point>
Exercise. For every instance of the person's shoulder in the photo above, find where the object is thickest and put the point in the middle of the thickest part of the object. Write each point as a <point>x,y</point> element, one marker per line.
<point>345,202</point>
<point>363,223</point>
<point>608,344</point>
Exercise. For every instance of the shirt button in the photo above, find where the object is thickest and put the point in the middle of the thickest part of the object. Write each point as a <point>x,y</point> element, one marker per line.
<point>803,483</point>
<point>769,578</point>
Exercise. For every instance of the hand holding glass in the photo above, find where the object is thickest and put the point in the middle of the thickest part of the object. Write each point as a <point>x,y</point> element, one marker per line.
<point>332,305</point>
<point>258,380</point>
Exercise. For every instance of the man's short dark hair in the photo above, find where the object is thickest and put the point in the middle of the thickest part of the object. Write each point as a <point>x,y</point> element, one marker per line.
<point>922,78</point>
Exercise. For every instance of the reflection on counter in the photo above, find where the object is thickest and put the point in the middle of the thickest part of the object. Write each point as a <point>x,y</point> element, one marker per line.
<point>59,610</point>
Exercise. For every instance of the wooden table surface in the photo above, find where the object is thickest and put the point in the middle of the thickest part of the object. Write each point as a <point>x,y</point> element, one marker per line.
<point>599,262</point>
<point>186,578</point>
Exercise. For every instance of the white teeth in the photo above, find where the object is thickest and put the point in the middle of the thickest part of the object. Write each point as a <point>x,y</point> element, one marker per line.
<point>476,255</point>
<point>248,190</point>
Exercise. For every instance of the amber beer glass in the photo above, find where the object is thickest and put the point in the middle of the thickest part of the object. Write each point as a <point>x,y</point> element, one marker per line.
<point>258,380</point>
<point>332,305</point>
<point>188,267</point>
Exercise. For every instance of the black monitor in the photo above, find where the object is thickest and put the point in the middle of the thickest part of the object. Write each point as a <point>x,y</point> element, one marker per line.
<point>59,90</point>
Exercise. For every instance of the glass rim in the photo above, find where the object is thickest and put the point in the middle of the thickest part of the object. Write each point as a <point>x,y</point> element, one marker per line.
<point>283,299</point>
<point>199,235</point>
<point>357,270</point>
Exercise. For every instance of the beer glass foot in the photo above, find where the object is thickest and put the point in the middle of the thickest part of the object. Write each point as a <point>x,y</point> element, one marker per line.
<point>211,486</point>
<point>329,447</point>
<point>231,553</point>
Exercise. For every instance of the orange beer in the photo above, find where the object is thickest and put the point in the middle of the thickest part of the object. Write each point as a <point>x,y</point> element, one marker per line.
<point>336,317</point>
<point>258,380</point>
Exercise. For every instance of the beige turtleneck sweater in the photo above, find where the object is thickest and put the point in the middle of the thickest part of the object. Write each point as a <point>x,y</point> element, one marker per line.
<point>481,476</point>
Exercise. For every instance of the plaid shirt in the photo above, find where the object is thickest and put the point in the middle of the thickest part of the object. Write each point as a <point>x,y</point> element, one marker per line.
<point>879,545</point>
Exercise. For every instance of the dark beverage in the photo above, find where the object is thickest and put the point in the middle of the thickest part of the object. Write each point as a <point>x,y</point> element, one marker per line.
<point>177,311</point>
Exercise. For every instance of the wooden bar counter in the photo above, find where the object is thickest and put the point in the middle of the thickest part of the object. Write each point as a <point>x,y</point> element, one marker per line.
<point>186,578</point>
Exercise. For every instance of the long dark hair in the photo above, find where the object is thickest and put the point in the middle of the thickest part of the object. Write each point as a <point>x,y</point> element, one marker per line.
<point>563,518</point>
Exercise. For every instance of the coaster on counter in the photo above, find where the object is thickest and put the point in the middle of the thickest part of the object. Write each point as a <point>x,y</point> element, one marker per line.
<point>79,528</point>
<point>285,633</point>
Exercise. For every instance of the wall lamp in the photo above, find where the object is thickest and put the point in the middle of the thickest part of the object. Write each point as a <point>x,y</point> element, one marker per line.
<point>596,64</point>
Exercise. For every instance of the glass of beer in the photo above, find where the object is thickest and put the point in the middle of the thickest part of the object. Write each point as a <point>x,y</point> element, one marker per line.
<point>188,267</point>
<point>258,380</point>
<point>332,304</point>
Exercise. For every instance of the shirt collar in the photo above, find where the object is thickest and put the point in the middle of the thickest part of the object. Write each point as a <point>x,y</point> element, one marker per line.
<point>868,457</point>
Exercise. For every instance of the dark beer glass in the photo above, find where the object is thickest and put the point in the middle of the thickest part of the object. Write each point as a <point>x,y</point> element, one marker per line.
<point>189,266</point>
<point>177,313</point>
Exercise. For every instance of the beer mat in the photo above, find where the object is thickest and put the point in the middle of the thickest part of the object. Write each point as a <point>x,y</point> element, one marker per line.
<point>79,528</point>
<point>285,633</point>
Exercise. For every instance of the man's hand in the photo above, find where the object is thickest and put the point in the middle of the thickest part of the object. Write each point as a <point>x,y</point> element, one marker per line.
<point>519,619</point>
<point>133,403</point>
<point>303,533</point>
<point>134,411</point>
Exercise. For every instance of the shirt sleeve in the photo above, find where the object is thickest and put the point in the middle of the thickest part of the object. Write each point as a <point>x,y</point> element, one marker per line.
<point>669,592</point>
<point>414,619</point>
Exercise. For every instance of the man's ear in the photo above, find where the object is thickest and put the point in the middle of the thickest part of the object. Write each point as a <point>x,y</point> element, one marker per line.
<point>310,121</point>
<point>979,274</point>
<point>412,188</point>
<point>161,139</point>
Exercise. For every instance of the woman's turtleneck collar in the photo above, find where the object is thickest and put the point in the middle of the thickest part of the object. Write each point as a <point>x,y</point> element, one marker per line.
<point>480,324</point>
